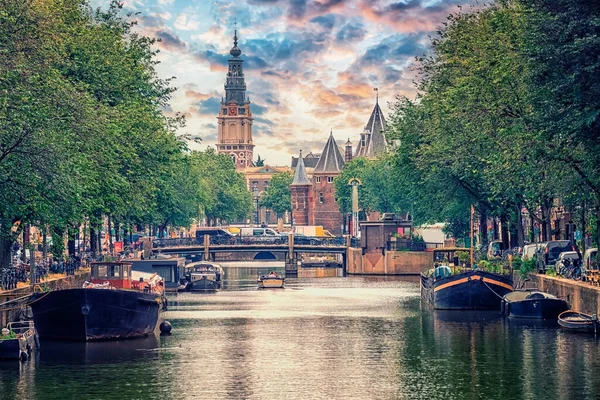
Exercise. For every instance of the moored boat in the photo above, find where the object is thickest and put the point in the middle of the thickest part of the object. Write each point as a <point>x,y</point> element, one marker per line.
<point>532,304</point>
<point>272,280</point>
<point>112,305</point>
<point>578,322</point>
<point>449,287</point>
<point>18,340</point>
<point>204,275</point>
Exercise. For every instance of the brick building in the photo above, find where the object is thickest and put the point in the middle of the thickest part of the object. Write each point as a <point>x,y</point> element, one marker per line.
<point>313,200</point>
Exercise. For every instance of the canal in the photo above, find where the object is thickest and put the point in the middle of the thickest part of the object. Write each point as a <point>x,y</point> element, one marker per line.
<point>319,338</point>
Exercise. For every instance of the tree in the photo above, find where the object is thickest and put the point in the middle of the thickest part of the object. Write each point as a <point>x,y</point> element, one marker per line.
<point>260,162</point>
<point>277,196</point>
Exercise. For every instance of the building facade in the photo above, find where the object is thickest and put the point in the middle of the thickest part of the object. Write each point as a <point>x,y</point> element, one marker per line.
<point>313,200</point>
<point>235,116</point>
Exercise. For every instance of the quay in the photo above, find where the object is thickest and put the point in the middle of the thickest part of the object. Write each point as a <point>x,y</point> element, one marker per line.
<point>581,296</point>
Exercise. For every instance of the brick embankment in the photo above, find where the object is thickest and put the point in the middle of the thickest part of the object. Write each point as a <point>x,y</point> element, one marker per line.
<point>581,296</point>
<point>388,262</point>
<point>10,312</point>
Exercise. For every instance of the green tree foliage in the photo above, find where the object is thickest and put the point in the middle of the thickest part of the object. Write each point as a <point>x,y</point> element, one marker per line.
<point>83,135</point>
<point>277,196</point>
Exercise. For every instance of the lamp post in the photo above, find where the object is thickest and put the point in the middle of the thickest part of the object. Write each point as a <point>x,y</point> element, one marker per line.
<point>255,194</point>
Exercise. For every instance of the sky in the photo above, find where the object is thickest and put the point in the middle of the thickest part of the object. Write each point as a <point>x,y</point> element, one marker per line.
<point>310,65</point>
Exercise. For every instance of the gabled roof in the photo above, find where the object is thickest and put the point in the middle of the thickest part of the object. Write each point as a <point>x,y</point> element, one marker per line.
<point>375,142</point>
<point>300,176</point>
<point>331,159</point>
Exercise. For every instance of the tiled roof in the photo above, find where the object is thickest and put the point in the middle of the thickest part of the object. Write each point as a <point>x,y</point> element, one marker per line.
<point>331,159</point>
<point>375,142</point>
<point>300,176</point>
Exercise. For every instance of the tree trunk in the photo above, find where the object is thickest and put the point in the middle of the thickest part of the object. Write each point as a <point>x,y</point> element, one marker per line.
<point>598,227</point>
<point>25,242</point>
<point>93,241</point>
<point>45,242</point>
<point>111,247</point>
<point>520,231</point>
<point>504,228</point>
<point>99,238</point>
<point>117,229</point>
<point>6,242</point>
<point>483,232</point>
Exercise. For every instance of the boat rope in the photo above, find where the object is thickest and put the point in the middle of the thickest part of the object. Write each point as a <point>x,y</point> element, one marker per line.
<point>24,305</point>
<point>492,290</point>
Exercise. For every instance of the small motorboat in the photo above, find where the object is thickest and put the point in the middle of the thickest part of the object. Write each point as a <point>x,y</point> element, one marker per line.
<point>273,280</point>
<point>18,340</point>
<point>532,304</point>
<point>578,322</point>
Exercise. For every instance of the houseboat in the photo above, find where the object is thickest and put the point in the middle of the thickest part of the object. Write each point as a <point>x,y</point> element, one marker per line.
<point>114,304</point>
<point>532,304</point>
<point>204,275</point>
<point>171,269</point>
<point>449,286</point>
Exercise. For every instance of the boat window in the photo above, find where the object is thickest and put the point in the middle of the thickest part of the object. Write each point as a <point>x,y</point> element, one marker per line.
<point>102,271</point>
<point>115,271</point>
<point>125,273</point>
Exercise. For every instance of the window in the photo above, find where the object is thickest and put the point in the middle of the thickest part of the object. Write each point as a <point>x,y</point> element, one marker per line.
<point>329,179</point>
<point>242,111</point>
<point>235,147</point>
<point>255,182</point>
<point>228,147</point>
<point>233,158</point>
<point>114,271</point>
<point>224,110</point>
<point>102,271</point>
<point>321,198</point>
<point>318,179</point>
<point>266,183</point>
<point>363,140</point>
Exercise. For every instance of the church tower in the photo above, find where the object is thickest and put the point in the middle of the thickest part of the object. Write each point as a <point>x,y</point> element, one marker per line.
<point>235,117</point>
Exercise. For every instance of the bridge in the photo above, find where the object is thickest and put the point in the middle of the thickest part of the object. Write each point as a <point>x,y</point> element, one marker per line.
<point>289,246</point>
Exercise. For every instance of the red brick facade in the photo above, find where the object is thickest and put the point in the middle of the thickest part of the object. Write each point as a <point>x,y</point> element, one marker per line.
<point>325,211</point>
<point>301,204</point>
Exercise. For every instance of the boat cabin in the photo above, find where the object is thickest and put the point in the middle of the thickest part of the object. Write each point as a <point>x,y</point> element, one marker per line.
<point>117,274</point>
<point>171,269</point>
<point>448,256</point>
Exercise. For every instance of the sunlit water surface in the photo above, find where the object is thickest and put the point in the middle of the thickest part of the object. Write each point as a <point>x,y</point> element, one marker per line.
<point>319,338</point>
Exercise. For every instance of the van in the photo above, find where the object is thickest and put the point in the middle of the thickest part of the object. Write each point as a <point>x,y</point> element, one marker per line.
<point>548,253</point>
<point>212,232</point>
<point>258,232</point>
<point>529,251</point>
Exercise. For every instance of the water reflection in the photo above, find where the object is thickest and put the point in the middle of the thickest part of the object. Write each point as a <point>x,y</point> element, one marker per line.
<point>319,338</point>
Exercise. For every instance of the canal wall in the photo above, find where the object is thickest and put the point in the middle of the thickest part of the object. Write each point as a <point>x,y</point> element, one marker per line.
<point>581,296</point>
<point>11,311</point>
<point>386,262</point>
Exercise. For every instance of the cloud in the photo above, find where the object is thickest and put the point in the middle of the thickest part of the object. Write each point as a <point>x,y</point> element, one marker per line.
<point>351,33</point>
<point>182,22</point>
<point>170,42</point>
<point>209,106</point>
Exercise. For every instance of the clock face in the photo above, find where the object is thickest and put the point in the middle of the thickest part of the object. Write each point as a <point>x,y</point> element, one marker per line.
<point>232,111</point>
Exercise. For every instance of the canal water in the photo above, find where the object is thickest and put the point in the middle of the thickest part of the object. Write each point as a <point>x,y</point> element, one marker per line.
<point>324,337</point>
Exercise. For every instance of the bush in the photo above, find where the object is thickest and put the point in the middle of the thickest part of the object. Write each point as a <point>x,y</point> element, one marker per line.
<point>463,256</point>
<point>525,267</point>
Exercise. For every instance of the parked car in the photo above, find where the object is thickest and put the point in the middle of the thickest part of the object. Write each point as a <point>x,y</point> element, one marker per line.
<point>529,251</point>
<point>495,249</point>
<point>300,238</point>
<point>261,235</point>
<point>258,232</point>
<point>215,234</point>
<point>548,253</point>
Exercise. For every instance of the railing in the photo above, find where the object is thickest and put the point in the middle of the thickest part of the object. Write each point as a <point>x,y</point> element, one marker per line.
<point>406,245</point>
<point>19,272</point>
<point>252,240</point>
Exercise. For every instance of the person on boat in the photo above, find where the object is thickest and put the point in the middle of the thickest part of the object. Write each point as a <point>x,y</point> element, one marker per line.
<point>272,274</point>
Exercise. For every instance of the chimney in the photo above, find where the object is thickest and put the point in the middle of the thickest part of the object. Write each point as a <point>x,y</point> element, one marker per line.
<point>348,156</point>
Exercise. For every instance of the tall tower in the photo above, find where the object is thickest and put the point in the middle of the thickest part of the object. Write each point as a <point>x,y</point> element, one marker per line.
<point>235,117</point>
<point>300,193</point>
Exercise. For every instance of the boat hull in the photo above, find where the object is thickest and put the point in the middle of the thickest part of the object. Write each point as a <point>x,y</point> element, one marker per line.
<point>578,322</point>
<point>18,348</point>
<point>95,314</point>
<point>538,308</point>
<point>470,290</point>
<point>205,284</point>
<point>265,283</point>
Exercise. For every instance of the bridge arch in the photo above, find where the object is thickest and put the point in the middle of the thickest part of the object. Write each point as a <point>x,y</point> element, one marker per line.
<point>265,255</point>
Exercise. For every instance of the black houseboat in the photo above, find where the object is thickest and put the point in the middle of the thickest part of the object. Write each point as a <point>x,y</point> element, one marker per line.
<point>451,287</point>
<point>113,305</point>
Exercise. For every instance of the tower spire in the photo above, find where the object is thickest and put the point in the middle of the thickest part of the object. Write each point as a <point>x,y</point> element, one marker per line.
<point>376,89</point>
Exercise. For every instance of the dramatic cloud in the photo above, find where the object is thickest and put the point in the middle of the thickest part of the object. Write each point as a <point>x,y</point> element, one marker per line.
<point>310,65</point>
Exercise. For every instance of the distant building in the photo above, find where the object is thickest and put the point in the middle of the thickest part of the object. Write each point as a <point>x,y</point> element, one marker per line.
<point>310,160</point>
<point>372,140</point>
<point>313,199</point>
<point>235,116</point>
<point>258,180</point>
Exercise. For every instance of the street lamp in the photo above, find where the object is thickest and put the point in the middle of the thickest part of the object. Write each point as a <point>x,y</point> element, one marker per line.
<point>255,194</point>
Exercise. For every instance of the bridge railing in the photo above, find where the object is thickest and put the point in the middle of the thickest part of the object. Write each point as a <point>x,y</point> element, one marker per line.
<point>251,240</point>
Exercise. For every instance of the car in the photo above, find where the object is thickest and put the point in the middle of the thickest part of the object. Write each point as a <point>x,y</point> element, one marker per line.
<point>302,239</point>
<point>529,251</point>
<point>548,252</point>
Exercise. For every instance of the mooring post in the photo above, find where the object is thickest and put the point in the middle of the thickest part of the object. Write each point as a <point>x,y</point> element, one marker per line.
<point>206,248</point>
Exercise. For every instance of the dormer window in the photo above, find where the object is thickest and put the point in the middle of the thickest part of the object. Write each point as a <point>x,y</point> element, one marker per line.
<point>363,140</point>
<point>330,179</point>
<point>318,179</point>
